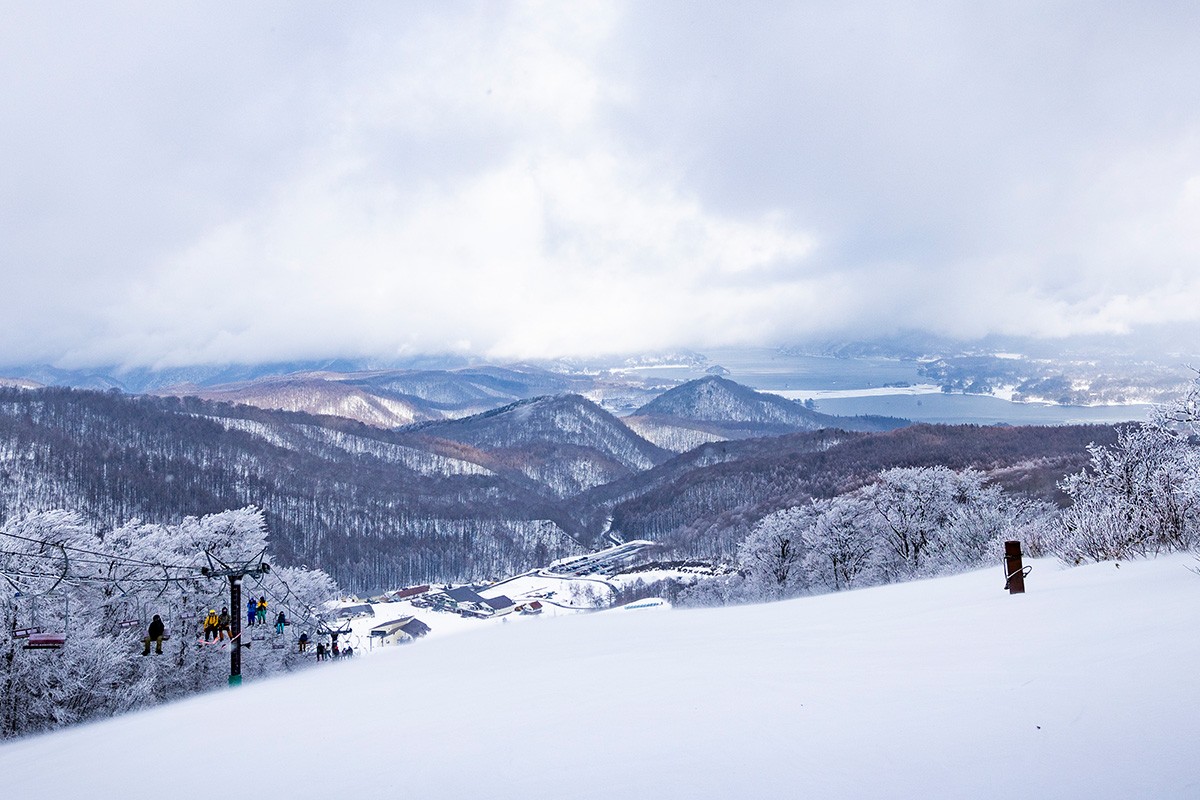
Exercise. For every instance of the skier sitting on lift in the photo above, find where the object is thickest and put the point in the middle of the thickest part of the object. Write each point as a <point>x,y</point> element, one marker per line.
<point>280,621</point>
<point>303,642</point>
<point>223,624</point>
<point>262,611</point>
<point>154,634</point>
<point>210,624</point>
<point>251,611</point>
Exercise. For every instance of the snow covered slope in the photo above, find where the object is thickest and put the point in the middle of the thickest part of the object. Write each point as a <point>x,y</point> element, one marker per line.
<point>314,394</point>
<point>566,443</point>
<point>713,409</point>
<point>1084,688</point>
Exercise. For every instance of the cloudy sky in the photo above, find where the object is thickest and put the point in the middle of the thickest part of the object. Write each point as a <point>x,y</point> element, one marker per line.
<point>247,182</point>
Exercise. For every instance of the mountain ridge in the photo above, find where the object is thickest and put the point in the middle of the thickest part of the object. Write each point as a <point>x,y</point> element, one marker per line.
<point>714,408</point>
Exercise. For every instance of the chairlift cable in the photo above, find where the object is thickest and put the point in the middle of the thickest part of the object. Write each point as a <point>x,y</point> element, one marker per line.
<point>87,551</point>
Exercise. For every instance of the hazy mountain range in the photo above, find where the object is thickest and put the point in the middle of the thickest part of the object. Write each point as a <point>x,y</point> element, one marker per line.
<point>482,495</point>
<point>390,393</point>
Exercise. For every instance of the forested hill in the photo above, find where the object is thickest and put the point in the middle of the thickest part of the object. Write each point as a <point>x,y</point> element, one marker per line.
<point>704,501</point>
<point>351,499</point>
<point>713,409</point>
<point>566,443</point>
<point>467,499</point>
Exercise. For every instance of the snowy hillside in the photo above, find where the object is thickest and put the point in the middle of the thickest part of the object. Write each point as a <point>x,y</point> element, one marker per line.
<point>315,395</point>
<point>298,436</point>
<point>713,409</point>
<point>950,688</point>
<point>567,443</point>
<point>393,397</point>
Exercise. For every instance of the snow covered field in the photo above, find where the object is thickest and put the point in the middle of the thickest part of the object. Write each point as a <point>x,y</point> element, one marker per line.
<point>876,391</point>
<point>1084,688</point>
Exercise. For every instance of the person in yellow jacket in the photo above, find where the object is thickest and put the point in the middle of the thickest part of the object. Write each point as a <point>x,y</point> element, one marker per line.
<point>211,624</point>
<point>262,610</point>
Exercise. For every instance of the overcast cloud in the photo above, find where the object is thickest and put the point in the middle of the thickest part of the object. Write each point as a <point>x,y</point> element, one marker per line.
<point>217,183</point>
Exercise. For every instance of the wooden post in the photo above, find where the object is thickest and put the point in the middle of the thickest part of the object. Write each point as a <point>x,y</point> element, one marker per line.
<point>1013,570</point>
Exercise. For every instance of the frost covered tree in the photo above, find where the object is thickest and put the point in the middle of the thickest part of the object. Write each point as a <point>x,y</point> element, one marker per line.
<point>910,522</point>
<point>914,508</point>
<point>771,557</point>
<point>75,683</point>
<point>101,591</point>
<point>1139,497</point>
<point>839,543</point>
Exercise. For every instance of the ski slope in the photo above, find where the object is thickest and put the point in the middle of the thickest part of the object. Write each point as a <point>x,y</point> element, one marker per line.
<point>1086,687</point>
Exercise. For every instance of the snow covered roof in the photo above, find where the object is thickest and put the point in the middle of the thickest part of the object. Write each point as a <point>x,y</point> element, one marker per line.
<point>464,594</point>
<point>415,628</point>
<point>390,627</point>
<point>409,624</point>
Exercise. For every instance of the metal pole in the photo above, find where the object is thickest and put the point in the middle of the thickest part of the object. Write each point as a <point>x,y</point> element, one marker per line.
<point>235,622</point>
<point>1013,569</point>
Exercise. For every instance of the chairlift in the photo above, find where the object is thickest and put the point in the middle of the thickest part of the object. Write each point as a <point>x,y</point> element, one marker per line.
<point>36,638</point>
<point>45,641</point>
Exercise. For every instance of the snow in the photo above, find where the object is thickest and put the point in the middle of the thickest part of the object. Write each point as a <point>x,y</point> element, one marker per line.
<point>876,391</point>
<point>1083,688</point>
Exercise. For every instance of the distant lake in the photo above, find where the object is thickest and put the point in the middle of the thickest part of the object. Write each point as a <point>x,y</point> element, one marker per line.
<point>764,368</point>
<point>964,409</point>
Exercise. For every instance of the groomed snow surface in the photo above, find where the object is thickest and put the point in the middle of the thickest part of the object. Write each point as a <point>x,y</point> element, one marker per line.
<point>1086,687</point>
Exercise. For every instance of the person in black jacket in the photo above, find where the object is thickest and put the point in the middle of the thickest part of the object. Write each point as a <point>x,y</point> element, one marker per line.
<point>154,634</point>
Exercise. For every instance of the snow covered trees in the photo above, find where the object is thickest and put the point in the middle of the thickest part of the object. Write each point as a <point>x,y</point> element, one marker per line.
<point>771,556</point>
<point>60,577</point>
<point>839,544</point>
<point>913,510</point>
<point>1139,497</point>
<point>910,522</point>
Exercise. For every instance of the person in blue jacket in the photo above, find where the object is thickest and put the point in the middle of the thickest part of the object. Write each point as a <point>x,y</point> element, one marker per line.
<point>251,611</point>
